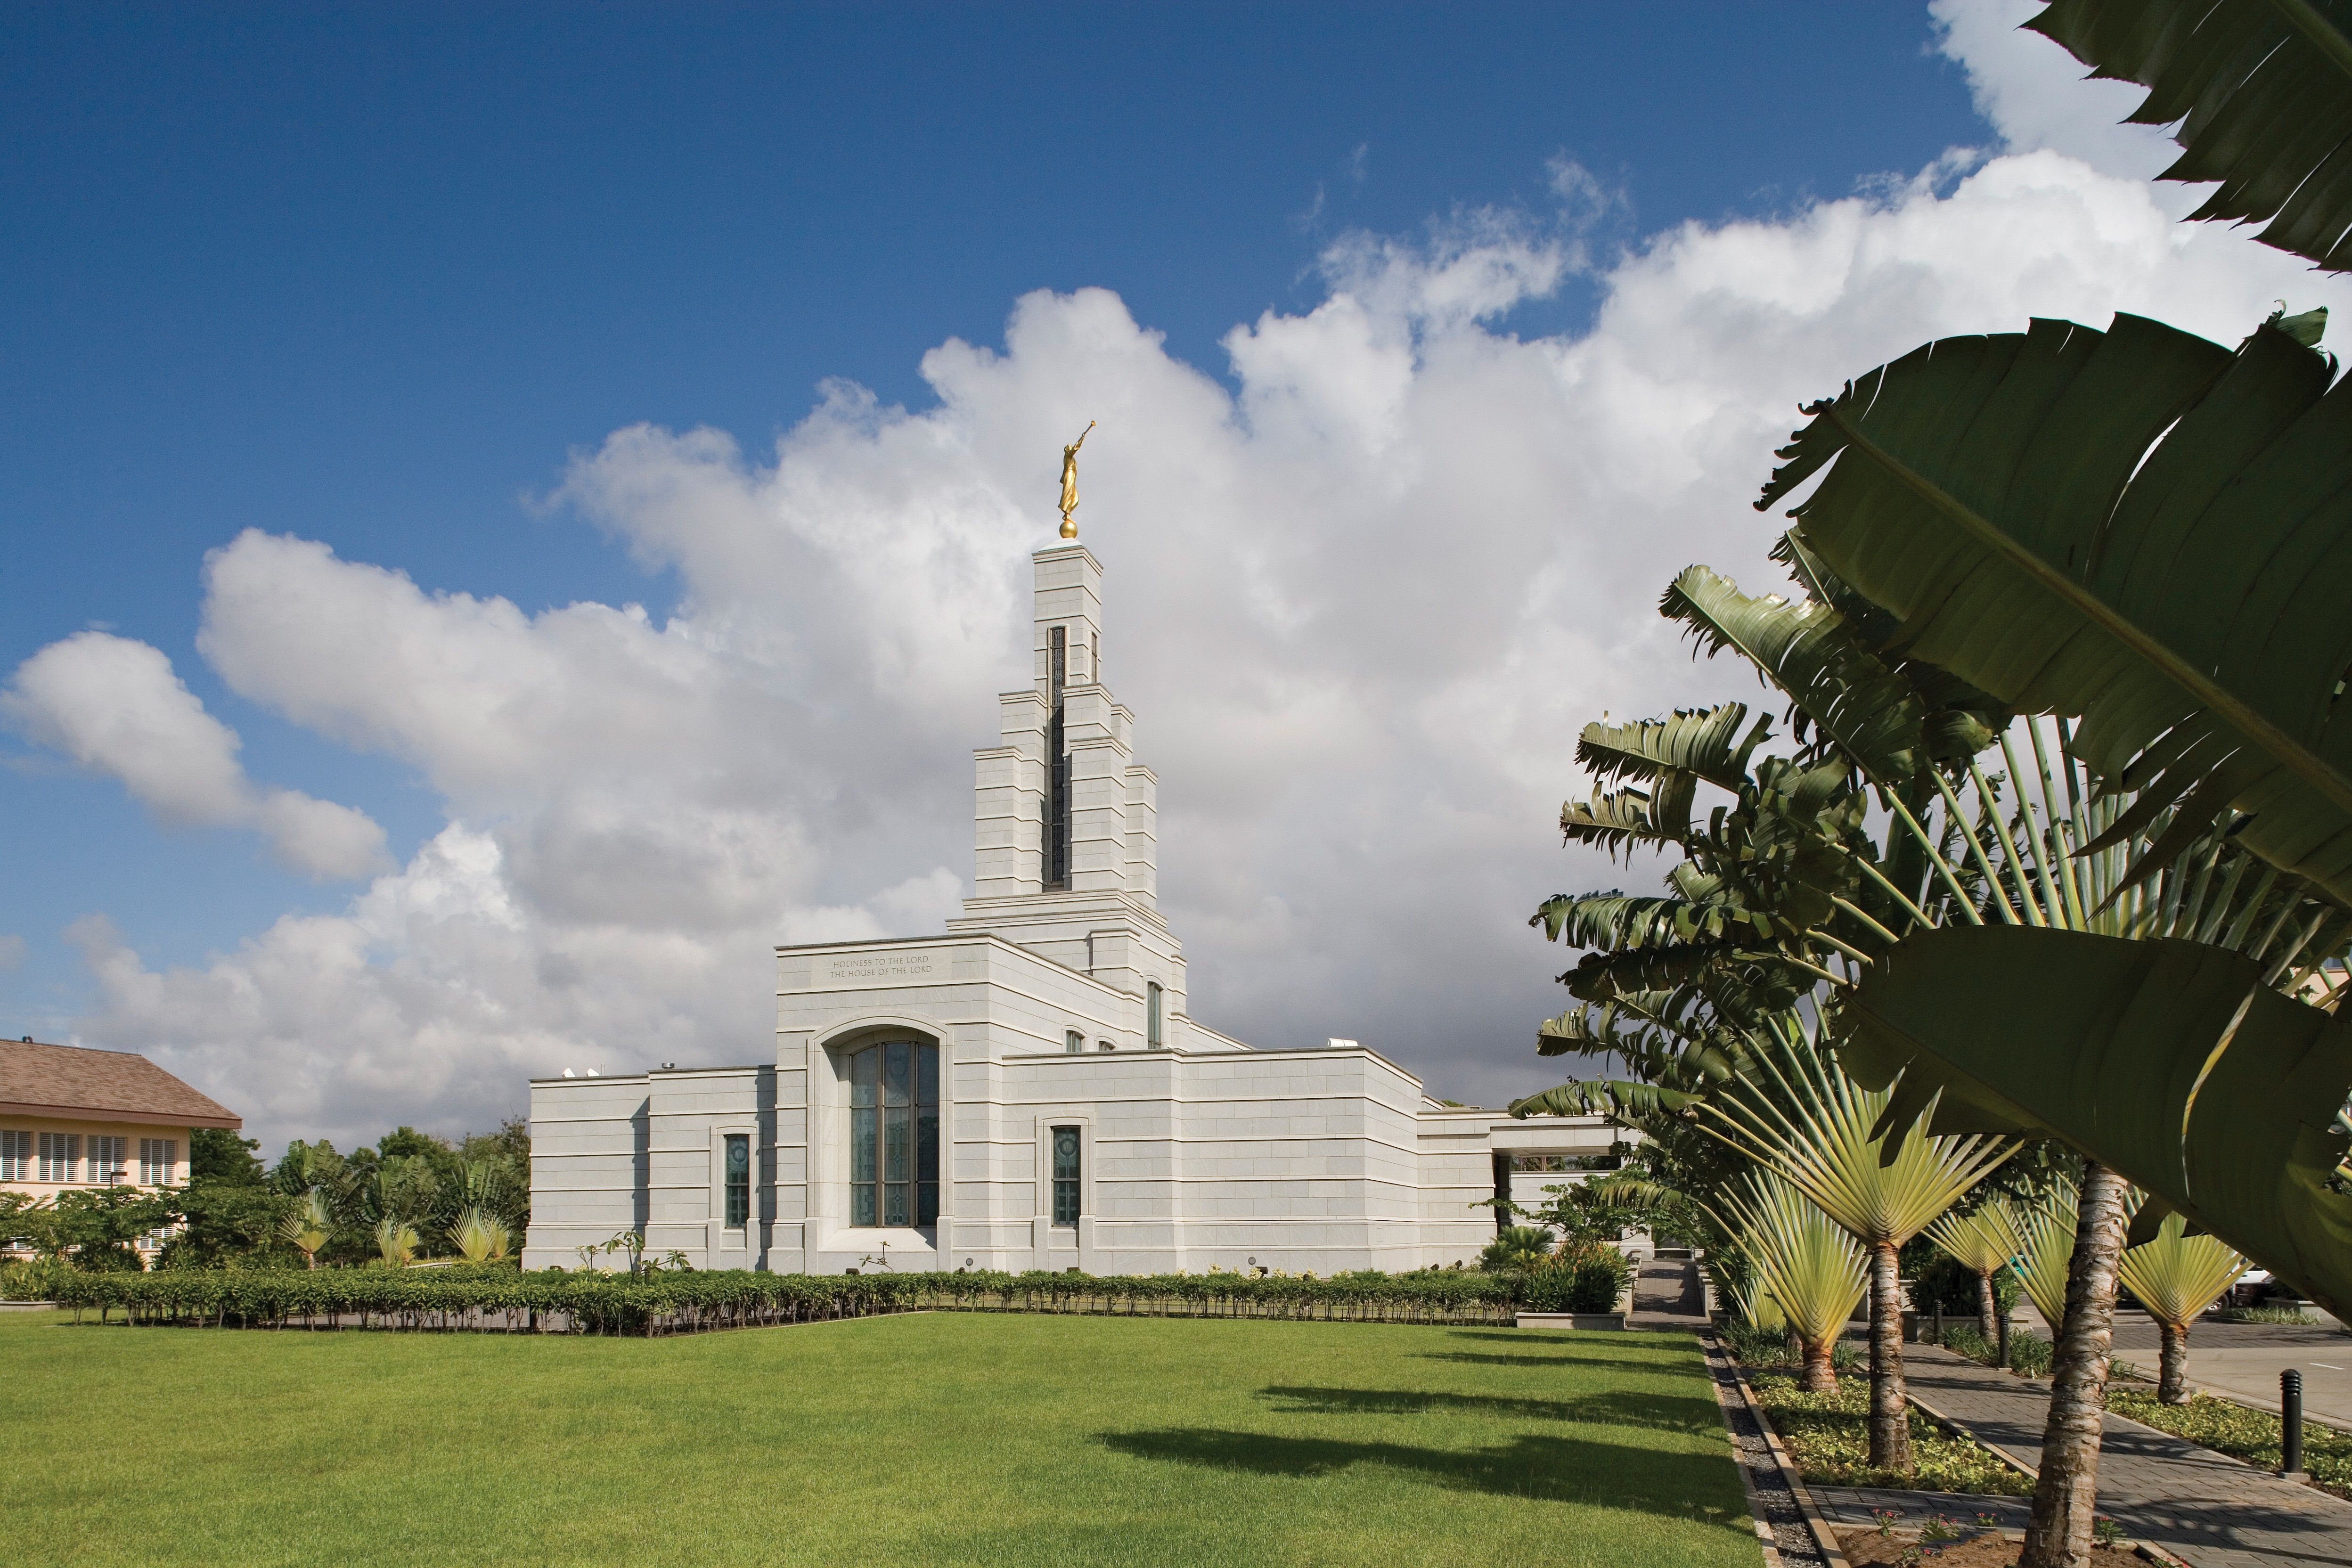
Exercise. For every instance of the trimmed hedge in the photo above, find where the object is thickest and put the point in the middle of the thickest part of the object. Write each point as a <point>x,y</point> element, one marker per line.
<point>494,1299</point>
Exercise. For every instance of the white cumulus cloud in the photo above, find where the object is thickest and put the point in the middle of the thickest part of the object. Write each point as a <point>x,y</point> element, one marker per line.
<point>1362,594</point>
<point>115,707</point>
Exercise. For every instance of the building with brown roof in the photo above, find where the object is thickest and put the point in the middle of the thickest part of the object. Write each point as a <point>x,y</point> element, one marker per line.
<point>70,1117</point>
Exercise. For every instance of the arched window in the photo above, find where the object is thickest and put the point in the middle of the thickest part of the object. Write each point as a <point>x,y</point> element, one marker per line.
<point>1152,1027</point>
<point>894,1134</point>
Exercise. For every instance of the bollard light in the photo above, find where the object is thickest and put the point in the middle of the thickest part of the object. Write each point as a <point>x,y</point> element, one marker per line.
<point>2291,1423</point>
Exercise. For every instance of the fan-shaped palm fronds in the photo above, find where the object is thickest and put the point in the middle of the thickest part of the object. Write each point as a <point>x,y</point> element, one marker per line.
<point>2176,1276</point>
<point>2047,1232</point>
<point>478,1236</point>
<point>396,1242</point>
<point>309,1226</point>
<point>1804,1118</point>
<point>1982,1242</point>
<point>1805,1262</point>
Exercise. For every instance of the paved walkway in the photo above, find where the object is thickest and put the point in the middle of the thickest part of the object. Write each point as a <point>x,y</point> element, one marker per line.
<point>2211,1512</point>
<point>1667,1295</point>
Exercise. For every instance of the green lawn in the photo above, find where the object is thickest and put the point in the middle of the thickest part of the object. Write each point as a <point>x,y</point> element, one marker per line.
<point>931,1438</point>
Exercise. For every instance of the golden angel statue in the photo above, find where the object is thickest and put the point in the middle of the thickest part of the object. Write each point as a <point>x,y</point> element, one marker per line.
<point>1070,481</point>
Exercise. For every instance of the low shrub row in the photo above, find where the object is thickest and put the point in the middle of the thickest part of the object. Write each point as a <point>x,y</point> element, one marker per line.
<point>491,1297</point>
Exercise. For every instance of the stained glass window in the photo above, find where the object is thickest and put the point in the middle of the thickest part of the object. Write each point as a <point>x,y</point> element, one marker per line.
<point>894,1134</point>
<point>1066,1176</point>
<point>739,1181</point>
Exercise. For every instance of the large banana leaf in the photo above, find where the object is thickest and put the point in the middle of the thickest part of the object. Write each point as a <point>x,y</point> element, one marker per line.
<point>1807,651</point>
<point>2137,526</point>
<point>2167,1060</point>
<point>2263,91</point>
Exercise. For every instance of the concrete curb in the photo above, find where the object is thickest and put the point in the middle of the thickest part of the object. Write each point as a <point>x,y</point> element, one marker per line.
<point>1824,1537</point>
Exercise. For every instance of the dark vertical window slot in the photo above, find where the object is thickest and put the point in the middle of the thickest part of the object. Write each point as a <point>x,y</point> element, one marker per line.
<point>739,1181</point>
<point>1066,1176</point>
<point>1058,770</point>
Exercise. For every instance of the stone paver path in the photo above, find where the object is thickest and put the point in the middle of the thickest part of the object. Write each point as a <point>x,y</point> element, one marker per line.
<point>1667,1295</point>
<point>2211,1512</point>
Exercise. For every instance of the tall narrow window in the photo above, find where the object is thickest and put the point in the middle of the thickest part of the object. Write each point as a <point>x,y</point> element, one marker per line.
<point>1152,1009</point>
<point>16,1156</point>
<point>1502,1190</point>
<point>1074,1042</point>
<point>1057,845</point>
<point>739,1180</point>
<point>157,1156</point>
<point>1066,1176</point>
<point>894,1134</point>
<point>61,1151</point>
<point>107,1158</point>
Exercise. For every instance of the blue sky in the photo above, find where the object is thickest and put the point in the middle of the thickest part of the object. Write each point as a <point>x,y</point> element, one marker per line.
<point>387,278</point>
<point>366,274</point>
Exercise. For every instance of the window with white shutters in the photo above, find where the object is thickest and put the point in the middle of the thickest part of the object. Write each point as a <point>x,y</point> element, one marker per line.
<point>60,1154</point>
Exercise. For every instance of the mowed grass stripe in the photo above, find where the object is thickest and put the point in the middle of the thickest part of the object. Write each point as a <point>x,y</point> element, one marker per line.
<point>934,1438</point>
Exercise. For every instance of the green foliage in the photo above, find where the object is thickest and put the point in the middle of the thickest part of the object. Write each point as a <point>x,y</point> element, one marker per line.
<point>1963,1339</point>
<point>32,1279</point>
<point>2029,1355</point>
<point>218,1155</point>
<point>1806,1264</point>
<point>2067,551</point>
<point>224,1221</point>
<point>1587,1277</point>
<point>2253,1436</point>
<point>2263,1314</point>
<point>2259,90</point>
<point>2171,1060</point>
<point>396,1242</point>
<point>2177,1275</point>
<point>609,1301</point>
<point>1516,1249</point>
<point>1827,1435</point>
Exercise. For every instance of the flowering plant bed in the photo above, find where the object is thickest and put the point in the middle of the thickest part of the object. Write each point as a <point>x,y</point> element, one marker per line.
<point>2243,1433</point>
<point>1828,1438</point>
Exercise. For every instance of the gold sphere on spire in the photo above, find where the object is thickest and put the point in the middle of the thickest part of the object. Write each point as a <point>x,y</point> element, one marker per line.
<point>1070,481</point>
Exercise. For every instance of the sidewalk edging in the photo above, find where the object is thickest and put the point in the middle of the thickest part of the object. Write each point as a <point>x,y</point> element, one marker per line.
<point>1825,1538</point>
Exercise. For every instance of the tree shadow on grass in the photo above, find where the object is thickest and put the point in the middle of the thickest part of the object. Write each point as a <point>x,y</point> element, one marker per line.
<point>1480,1358</point>
<point>1659,1412</point>
<point>1557,1469</point>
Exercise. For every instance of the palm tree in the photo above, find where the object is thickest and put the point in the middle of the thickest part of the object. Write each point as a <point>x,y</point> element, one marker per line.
<point>1983,1241</point>
<point>1807,1268</point>
<point>1518,1247</point>
<point>396,1242</point>
<point>2176,1276</point>
<point>1820,1130</point>
<point>478,1236</point>
<point>308,1226</point>
<point>2045,1249</point>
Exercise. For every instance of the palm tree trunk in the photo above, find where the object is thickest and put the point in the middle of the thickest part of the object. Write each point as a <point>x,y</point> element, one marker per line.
<point>1820,1376</point>
<point>1986,1309</point>
<point>2172,1361</point>
<point>1890,1416</point>
<point>2058,1533</point>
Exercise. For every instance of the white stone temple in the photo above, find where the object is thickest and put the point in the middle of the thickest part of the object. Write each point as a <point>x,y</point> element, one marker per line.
<point>1029,1090</point>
